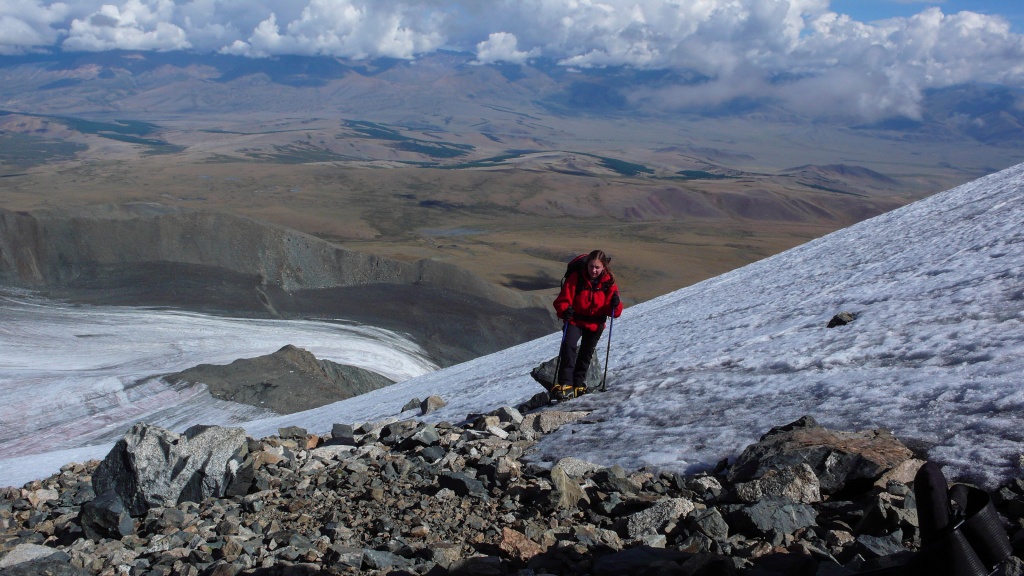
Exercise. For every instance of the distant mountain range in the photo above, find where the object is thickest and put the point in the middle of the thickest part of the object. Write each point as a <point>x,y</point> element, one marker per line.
<point>441,91</point>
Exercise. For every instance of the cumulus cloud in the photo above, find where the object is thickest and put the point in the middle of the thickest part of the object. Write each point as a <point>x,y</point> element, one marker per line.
<point>26,25</point>
<point>347,28</point>
<point>135,25</point>
<point>502,47</point>
<point>799,53</point>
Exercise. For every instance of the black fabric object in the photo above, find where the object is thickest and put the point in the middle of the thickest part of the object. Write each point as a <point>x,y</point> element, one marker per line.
<point>576,353</point>
<point>981,525</point>
<point>961,534</point>
<point>931,491</point>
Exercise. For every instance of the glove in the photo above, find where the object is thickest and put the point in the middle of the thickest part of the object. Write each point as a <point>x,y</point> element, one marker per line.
<point>615,302</point>
<point>567,315</point>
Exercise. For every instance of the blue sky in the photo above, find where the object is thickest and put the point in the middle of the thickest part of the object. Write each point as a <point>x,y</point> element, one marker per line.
<point>871,10</point>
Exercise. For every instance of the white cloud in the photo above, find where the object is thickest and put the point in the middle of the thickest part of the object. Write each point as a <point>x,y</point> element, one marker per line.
<point>29,24</point>
<point>742,46</point>
<point>502,47</point>
<point>347,28</point>
<point>135,25</point>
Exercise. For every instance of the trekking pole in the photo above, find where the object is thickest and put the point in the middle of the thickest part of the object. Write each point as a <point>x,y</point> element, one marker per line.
<point>558,363</point>
<point>604,379</point>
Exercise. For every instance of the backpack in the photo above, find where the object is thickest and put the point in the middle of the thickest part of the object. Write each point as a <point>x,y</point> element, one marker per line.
<point>578,265</point>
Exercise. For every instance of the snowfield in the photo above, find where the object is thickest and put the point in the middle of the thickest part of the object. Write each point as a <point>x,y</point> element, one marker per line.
<point>936,353</point>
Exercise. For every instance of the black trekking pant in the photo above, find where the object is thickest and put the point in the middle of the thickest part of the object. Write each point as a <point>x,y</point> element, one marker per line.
<point>576,353</point>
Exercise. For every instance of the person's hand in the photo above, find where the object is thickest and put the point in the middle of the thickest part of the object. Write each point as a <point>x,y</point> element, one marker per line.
<point>568,313</point>
<point>615,302</point>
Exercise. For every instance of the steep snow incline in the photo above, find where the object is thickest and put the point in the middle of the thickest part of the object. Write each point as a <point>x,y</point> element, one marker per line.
<point>936,354</point>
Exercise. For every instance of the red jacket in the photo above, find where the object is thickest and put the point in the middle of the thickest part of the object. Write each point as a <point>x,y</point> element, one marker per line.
<point>590,301</point>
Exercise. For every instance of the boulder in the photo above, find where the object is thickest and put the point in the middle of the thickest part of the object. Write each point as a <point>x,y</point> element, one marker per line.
<point>106,517</point>
<point>151,466</point>
<point>544,373</point>
<point>567,493</point>
<point>771,519</point>
<point>797,483</point>
<point>838,459</point>
<point>548,422</point>
<point>23,553</point>
<point>655,519</point>
<point>431,404</point>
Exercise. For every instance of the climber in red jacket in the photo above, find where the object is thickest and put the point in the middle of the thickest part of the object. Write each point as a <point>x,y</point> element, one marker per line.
<point>588,296</point>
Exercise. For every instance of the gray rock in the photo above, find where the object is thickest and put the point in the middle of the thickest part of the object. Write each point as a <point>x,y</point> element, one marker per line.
<point>45,567</point>
<point>106,517</point>
<point>444,554</point>
<point>30,552</point>
<point>711,524</point>
<point>462,484</point>
<point>293,433</point>
<point>346,556</point>
<point>432,454</point>
<point>772,518</point>
<point>655,519</point>
<point>548,422</point>
<point>797,483</point>
<point>577,468</point>
<point>382,560</point>
<point>567,493</point>
<point>509,415</point>
<point>431,404</point>
<point>877,546</point>
<point>151,466</point>
<point>396,432</point>
<point>343,434</point>
<point>424,435</point>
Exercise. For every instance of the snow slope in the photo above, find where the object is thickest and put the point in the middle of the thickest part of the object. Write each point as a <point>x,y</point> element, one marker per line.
<point>935,355</point>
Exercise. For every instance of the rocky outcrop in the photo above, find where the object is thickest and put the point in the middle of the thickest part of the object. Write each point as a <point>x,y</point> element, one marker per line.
<point>152,467</point>
<point>149,254</point>
<point>289,380</point>
<point>417,498</point>
<point>839,459</point>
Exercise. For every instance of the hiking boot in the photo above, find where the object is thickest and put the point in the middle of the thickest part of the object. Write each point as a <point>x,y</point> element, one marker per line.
<point>580,391</point>
<point>563,392</point>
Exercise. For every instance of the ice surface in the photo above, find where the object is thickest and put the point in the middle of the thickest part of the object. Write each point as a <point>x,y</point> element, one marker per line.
<point>77,375</point>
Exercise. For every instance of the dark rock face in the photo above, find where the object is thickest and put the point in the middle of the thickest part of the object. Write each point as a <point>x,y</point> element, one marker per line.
<point>149,254</point>
<point>106,516</point>
<point>837,458</point>
<point>289,380</point>
<point>402,497</point>
<point>153,467</point>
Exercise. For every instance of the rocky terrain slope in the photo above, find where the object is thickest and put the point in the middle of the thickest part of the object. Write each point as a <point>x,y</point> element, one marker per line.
<point>405,497</point>
<point>148,254</point>
<point>289,380</point>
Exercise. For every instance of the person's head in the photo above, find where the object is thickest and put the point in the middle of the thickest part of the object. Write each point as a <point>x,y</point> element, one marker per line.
<point>597,263</point>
